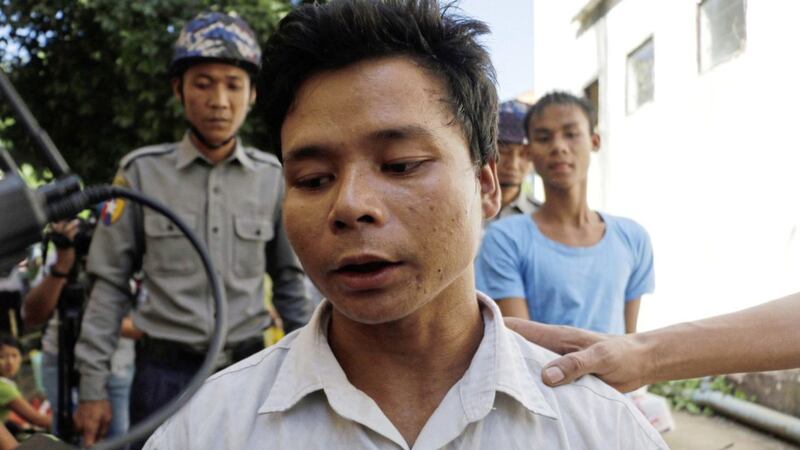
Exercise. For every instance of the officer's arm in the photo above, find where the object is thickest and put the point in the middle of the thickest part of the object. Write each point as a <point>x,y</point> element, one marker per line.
<point>114,255</point>
<point>288,291</point>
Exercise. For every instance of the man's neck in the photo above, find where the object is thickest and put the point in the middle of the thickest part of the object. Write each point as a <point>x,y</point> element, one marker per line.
<point>565,217</point>
<point>213,155</point>
<point>509,194</point>
<point>566,206</point>
<point>408,366</point>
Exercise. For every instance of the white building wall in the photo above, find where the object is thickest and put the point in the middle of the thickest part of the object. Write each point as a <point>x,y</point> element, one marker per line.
<point>711,166</point>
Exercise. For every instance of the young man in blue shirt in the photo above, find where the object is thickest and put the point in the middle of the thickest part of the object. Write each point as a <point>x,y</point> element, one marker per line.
<point>566,264</point>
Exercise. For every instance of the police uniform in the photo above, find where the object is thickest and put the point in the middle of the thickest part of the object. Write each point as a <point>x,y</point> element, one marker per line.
<point>523,204</point>
<point>234,207</point>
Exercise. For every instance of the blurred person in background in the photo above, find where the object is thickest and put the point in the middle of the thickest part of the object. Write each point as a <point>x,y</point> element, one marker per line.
<point>514,164</point>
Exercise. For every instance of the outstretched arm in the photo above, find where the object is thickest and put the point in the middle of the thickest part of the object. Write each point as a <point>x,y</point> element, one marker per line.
<point>755,339</point>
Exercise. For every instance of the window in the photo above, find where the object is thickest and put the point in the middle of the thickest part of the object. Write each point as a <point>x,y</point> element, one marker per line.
<point>721,31</point>
<point>641,85</point>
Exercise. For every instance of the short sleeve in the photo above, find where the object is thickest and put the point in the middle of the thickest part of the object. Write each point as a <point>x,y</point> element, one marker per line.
<point>643,279</point>
<point>498,271</point>
<point>8,391</point>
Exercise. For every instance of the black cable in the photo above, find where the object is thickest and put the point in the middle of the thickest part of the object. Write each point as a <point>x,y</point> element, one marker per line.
<point>96,194</point>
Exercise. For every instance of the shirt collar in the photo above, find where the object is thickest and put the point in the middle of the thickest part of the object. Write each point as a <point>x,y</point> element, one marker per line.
<point>188,153</point>
<point>498,366</point>
<point>522,204</point>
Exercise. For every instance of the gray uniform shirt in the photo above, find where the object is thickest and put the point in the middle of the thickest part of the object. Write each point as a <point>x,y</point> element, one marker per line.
<point>523,204</point>
<point>234,207</point>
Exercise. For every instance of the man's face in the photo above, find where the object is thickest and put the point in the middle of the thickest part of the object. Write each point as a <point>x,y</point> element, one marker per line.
<point>216,98</point>
<point>383,203</point>
<point>514,164</point>
<point>561,144</point>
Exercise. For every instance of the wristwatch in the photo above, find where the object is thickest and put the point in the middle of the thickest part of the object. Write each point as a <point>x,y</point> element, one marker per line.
<point>54,273</point>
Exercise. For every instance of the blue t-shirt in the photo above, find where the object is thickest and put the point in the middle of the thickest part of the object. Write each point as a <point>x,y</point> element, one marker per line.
<point>584,287</point>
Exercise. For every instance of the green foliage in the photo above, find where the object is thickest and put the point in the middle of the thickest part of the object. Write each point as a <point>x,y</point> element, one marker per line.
<point>679,393</point>
<point>93,72</point>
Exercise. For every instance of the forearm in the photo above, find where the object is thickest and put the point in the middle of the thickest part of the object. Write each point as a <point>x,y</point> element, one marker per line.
<point>25,410</point>
<point>7,441</point>
<point>631,315</point>
<point>756,339</point>
<point>514,307</point>
<point>98,338</point>
<point>41,300</point>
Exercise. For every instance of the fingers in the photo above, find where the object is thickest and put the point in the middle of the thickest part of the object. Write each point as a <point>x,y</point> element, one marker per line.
<point>568,368</point>
<point>68,229</point>
<point>556,338</point>
<point>103,428</point>
<point>92,420</point>
<point>89,428</point>
<point>547,336</point>
<point>72,228</point>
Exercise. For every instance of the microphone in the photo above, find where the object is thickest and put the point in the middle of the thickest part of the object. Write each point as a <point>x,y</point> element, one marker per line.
<point>25,212</point>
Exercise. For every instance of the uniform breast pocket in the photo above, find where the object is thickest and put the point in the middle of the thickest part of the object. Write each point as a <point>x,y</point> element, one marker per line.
<point>252,234</point>
<point>167,249</point>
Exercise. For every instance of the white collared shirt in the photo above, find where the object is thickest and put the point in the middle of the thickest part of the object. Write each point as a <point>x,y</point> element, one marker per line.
<point>296,395</point>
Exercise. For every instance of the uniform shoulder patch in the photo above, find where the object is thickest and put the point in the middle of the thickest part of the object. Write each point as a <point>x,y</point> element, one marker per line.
<point>151,150</point>
<point>111,210</point>
<point>263,157</point>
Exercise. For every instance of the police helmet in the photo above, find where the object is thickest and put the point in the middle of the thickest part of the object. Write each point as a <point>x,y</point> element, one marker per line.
<point>213,36</point>
<point>512,122</point>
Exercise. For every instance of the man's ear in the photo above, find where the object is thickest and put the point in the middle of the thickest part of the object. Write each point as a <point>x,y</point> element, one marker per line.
<point>595,141</point>
<point>252,95</point>
<point>490,189</point>
<point>177,89</point>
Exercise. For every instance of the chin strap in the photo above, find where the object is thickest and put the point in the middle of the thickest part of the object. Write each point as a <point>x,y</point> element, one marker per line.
<point>203,139</point>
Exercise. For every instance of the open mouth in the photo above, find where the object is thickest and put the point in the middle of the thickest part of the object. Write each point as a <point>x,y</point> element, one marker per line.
<point>365,268</point>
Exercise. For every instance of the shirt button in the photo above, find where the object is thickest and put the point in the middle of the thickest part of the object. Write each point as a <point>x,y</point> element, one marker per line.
<point>216,189</point>
<point>258,232</point>
<point>214,230</point>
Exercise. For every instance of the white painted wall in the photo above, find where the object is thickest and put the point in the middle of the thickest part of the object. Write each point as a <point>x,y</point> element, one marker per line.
<point>711,166</point>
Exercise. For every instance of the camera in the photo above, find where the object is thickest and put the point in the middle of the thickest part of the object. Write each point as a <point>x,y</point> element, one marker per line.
<point>82,239</point>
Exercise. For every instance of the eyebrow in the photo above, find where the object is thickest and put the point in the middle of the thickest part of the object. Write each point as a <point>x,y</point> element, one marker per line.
<point>401,133</point>
<point>305,153</point>
<point>563,127</point>
<point>226,77</point>
<point>387,134</point>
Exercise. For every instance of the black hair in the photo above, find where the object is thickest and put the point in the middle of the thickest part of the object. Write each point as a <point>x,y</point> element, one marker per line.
<point>315,38</point>
<point>560,98</point>
<point>11,341</point>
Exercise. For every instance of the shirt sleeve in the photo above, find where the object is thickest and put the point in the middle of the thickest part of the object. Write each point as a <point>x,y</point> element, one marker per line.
<point>114,255</point>
<point>643,279</point>
<point>288,290</point>
<point>498,271</point>
<point>8,392</point>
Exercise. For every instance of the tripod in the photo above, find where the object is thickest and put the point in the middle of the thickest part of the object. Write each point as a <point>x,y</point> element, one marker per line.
<point>70,309</point>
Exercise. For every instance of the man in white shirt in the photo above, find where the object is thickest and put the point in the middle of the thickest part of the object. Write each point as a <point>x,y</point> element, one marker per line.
<point>385,113</point>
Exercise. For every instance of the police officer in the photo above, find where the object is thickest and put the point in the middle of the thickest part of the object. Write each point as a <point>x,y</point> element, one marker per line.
<point>514,164</point>
<point>229,195</point>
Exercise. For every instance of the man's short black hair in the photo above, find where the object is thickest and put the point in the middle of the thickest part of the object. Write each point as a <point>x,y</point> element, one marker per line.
<point>315,38</point>
<point>560,98</point>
